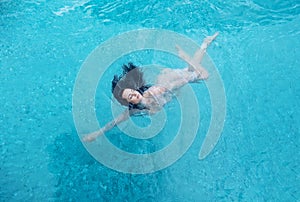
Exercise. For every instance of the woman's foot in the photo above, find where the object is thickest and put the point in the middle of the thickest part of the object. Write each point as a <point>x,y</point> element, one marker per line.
<point>208,40</point>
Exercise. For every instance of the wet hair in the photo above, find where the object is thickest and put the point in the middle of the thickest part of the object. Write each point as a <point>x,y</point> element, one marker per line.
<point>132,77</point>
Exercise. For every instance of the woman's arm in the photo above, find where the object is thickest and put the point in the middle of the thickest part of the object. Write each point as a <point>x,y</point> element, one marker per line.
<point>92,136</point>
<point>122,117</point>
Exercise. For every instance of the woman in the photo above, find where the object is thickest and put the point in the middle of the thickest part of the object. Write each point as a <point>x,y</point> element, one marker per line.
<point>130,89</point>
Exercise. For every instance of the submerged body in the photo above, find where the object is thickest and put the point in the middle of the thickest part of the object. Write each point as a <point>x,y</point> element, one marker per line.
<point>155,97</point>
<point>168,81</point>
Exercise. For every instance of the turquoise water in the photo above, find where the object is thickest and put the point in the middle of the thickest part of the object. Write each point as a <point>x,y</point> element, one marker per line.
<point>43,45</point>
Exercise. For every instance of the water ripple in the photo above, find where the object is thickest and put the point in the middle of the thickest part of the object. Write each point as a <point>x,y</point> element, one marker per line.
<point>187,14</point>
<point>67,9</point>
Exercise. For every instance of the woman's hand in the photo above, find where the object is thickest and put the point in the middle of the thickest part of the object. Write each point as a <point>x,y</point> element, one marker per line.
<point>92,136</point>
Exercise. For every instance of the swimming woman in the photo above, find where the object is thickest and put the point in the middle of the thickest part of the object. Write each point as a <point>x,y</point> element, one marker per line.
<point>130,89</point>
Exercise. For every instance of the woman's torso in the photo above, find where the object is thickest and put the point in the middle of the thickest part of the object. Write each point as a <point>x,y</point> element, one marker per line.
<point>156,97</point>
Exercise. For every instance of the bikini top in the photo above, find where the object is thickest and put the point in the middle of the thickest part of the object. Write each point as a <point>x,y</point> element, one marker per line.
<point>156,98</point>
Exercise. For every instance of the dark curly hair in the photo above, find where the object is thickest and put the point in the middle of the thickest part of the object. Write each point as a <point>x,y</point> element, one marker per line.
<point>132,77</point>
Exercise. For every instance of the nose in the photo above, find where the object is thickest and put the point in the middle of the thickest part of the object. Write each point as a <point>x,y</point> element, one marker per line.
<point>136,95</point>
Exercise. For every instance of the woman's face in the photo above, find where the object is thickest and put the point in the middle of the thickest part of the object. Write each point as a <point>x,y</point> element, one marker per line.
<point>132,96</point>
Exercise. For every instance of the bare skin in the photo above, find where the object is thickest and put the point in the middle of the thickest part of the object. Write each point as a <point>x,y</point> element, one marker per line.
<point>168,80</point>
<point>132,96</point>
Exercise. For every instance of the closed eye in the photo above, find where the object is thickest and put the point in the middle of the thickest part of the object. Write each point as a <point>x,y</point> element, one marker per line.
<point>130,94</point>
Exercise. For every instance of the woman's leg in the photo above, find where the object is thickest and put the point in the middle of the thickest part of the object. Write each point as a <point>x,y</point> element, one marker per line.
<point>173,78</point>
<point>193,66</point>
<point>194,63</point>
<point>198,56</point>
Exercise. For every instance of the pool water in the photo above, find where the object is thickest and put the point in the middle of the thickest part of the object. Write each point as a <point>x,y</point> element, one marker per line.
<point>43,45</point>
